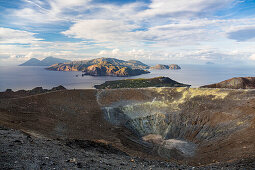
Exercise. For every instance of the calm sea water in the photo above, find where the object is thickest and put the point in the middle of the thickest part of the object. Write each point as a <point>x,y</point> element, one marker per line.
<point>22,77</point>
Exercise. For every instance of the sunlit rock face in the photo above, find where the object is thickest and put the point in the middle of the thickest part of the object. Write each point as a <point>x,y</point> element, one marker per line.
<point>178,120</point>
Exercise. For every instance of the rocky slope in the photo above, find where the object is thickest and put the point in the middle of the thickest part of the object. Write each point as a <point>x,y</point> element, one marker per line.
<point>23,93</point>
<point>194,126</point>
<point>104,67</point>
<point>48,61</point>
<point>23,151</point>
<point>234,83</point>
<point>107,69</point>
<point>45,153</point>
<point>141,83</point>
<point>162,67</point>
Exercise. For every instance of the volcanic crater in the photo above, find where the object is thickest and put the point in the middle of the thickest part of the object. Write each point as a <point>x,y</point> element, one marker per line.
<point>194,126</point>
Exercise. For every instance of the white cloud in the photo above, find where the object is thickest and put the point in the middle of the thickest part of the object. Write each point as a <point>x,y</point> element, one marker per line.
<point>160,29</point>
<point>16,59</point>
<point>252,57</point>
<point>101,30</point>
<point>8,35</point>
<point>180,8</point>
<point>49,11</point>
<point>115,51</point>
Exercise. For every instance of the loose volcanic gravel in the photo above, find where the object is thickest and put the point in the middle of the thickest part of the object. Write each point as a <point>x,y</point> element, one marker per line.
<point>19,150</point>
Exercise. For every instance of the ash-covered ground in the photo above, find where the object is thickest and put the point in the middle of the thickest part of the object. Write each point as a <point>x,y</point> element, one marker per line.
<point>22,151</point>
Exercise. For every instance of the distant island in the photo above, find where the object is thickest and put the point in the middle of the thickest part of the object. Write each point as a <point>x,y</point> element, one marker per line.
<point>141,83</point>
<point>104,67</point>
<point>48,61</point>
<point>234,83</point>
<point>162,67</point>
<point>210,63</point>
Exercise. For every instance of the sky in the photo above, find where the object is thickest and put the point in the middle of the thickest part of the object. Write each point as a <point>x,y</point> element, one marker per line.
<point>182,32</point>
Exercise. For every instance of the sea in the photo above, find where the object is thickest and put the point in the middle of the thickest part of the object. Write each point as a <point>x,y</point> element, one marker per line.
<point>29,77</point>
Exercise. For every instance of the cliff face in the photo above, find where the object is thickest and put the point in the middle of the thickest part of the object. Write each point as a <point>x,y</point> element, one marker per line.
<point>162,67</point>
<point>234,83</point>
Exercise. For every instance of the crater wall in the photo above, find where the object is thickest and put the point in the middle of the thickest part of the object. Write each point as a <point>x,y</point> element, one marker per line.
<point>191,125</point>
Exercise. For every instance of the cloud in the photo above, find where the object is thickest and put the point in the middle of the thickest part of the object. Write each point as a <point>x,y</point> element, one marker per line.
<point>16,59</point>
<point>8,35</point>
<point>120,34</point>
<point>156,29</point>
<point>242,33</point>
<point>100,30</point>
<point>49,11</point>
<point>184,8</point>
<point>252,57</point>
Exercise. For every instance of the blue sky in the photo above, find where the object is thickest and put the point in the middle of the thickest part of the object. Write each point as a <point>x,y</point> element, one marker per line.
<point>183,31</point>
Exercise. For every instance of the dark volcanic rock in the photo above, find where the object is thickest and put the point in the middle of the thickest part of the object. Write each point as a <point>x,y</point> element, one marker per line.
<point>42,153</point>
<point>37,90</point>
<point>234,83</point>
<point>8,90</point>
<point>22,93</point>
<point>58,88</point>
<point>141,83</point>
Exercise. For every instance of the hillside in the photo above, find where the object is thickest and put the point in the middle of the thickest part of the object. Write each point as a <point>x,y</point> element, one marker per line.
<point>82,65</point>
<point>106,69</point>
<point>141,83</point>
<point>103,67</point>
<point>48,61</point>
<point>234,83</point>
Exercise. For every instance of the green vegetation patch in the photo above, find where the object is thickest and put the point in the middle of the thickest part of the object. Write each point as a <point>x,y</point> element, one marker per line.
<point>141,83</point>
